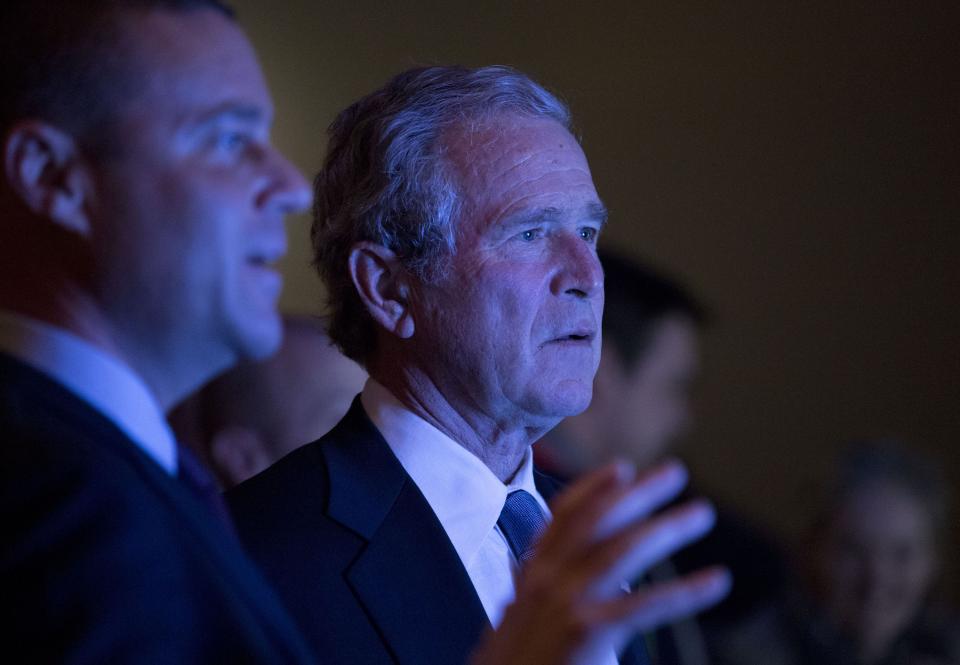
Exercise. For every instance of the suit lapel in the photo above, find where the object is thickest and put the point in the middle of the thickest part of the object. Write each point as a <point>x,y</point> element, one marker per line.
<point>62,414</point>
<point>408,578</point>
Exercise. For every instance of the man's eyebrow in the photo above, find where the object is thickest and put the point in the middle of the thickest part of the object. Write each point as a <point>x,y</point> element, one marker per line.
<point>597,212</point>
<point>244,112</point>
<point>528,217</point>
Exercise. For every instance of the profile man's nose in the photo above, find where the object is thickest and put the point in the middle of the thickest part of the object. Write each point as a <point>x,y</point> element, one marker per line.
<point>581,274</point>
<point>287,191</point>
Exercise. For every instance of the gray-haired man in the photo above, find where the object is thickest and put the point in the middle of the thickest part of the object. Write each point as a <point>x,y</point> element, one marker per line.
<point>456,226</point>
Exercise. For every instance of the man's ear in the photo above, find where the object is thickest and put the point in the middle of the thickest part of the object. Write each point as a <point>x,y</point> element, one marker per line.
<point>44,167</point>
<point>383,285</point>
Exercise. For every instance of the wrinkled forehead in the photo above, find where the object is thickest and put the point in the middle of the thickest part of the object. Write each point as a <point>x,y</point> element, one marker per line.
<point>509,163</point>
<point>506,142</point>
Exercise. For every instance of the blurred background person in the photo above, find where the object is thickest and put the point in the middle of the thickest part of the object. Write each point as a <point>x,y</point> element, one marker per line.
<point>249,417</point>
<point>868,573</point>
<point>641,407</point>
<point>641,394</point>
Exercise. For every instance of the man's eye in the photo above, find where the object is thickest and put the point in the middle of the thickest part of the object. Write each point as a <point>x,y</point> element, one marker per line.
<point>530,234</point>
<point>231,142</point>
<point>588,233</point>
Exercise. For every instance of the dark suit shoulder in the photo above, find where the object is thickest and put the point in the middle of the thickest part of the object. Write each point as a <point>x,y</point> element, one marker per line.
<point>284,518</point>
<point>349,477</point>
<point>105,558</point>
<point>358,554</point>
<point>291,492</point>
<point>100,568</point>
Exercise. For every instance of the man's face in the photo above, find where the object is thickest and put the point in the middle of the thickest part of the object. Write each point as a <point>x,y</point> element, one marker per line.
<point>190,198</point>
<point>653,398</point>
<point>876,563</point>
<point>513,331</point>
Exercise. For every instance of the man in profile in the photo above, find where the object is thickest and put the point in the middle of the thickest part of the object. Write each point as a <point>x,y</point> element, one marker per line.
<point>141,206</point>
<point>455,228</point>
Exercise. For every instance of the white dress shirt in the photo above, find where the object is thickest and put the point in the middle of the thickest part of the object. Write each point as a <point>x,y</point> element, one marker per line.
<point>463,492</point>
<point>98,378</point>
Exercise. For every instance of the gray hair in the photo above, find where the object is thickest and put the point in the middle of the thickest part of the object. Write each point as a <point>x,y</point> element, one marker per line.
<point>384,178</point>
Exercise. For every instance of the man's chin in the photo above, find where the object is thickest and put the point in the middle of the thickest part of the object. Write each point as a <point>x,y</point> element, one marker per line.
<point>567,398</point>
<point>260,341</point>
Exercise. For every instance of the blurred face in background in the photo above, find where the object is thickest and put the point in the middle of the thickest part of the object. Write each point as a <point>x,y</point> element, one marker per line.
<point>875,564</point>
<point>639,411</point>
<point>655,394</point>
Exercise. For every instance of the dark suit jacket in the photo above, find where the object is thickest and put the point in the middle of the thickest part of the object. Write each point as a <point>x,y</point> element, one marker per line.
<point>105,558</point>
<point>357,553</point>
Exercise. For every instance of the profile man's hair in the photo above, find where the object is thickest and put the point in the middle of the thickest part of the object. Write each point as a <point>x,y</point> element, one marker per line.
<point>65,61</point>
<point>636,298</point>
<point>385,178</point>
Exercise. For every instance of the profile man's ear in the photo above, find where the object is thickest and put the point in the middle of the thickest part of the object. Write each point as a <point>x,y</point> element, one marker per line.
<point>44,167</point>
<point>383,286</point>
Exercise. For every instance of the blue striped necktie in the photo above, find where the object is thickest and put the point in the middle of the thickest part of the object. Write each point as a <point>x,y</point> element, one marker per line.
<point>521,522</point>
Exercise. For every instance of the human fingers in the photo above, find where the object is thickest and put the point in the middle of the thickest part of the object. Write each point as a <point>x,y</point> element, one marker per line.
<point>606,502</point>
<point>649,608</point>
<point>579,507</point>
<point>646,493</point>
<point>654,540</point>
<point>634,550</point>
<point>578,631</point>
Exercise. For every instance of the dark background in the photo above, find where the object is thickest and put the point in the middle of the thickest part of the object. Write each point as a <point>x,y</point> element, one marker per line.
<point>795,163</point>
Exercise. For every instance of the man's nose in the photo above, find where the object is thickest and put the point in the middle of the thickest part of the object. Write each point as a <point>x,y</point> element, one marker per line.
<point>580,274</point>
<point>287,191</point>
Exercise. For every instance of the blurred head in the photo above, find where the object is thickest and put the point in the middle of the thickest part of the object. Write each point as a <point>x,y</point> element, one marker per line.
<point>140,180</point>
<point>456,226</point>
<point>640,405</point>
<point>254,414</point>
<point>876,546</point>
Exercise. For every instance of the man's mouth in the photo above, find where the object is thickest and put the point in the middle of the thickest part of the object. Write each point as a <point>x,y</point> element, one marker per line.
<point>262,266</point>
<point>574,338</point>
<point>265,258</point>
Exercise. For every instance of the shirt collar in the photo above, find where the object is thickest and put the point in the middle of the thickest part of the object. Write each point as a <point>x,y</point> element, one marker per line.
<point>101,380</point>
<point>463,492</point>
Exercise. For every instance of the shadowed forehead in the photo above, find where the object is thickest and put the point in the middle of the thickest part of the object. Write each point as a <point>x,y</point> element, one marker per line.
<point>198,61</point>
